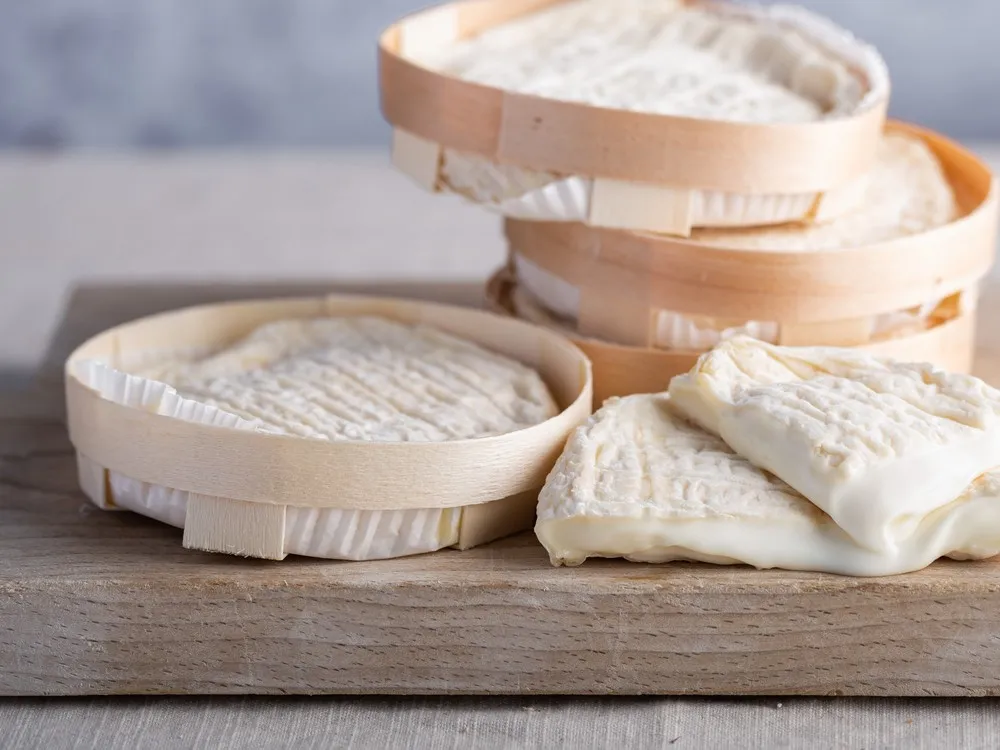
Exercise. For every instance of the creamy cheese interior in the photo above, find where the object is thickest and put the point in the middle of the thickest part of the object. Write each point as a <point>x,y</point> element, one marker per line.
<point>877,445</point>
<point>359,378</point>
<point>636,481</point>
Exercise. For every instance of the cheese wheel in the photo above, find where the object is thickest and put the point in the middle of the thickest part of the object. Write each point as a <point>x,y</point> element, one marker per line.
<point>636,114</point>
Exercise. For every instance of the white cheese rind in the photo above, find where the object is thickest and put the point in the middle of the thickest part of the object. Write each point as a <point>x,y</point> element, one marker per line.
<point>877,445</point>
<point>720,61</point>
<point>334,379</point>
<point>638,482</point>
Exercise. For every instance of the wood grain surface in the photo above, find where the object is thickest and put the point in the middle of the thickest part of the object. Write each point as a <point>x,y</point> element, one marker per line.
<point>93,602</point>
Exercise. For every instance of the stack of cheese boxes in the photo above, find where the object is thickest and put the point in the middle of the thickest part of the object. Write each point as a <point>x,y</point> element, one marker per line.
<point>675,174</point>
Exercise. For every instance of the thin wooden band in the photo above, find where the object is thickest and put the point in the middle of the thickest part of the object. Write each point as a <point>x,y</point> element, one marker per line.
<point>623,370</point>
<point>570,138</point>
<point>256,467</point>
<point>694,278</point>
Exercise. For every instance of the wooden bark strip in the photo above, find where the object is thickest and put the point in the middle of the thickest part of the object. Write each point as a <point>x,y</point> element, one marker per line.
<point>618,204</point>
<point>215,524</point>
<point>849,332</point>
<point>418,159</point>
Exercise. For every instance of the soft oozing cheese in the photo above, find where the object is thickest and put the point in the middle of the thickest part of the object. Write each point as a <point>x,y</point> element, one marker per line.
<point>877,445</point>
<point>636,481</point>
<point>361,378</point>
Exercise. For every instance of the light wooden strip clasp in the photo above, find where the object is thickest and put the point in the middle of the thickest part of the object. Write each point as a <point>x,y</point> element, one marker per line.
<point>235,527</point>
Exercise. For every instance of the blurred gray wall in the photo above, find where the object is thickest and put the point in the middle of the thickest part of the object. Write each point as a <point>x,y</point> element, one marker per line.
<point>287,73</point>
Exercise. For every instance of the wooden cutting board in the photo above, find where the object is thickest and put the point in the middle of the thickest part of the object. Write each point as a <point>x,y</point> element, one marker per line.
<point>110,603</point>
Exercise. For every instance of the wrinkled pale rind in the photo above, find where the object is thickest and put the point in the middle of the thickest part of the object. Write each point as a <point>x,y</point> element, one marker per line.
<point>745,517</point>
<point>877,444</point>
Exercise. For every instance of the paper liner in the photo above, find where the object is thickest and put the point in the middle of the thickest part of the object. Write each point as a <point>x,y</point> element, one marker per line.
<point>317,523</point>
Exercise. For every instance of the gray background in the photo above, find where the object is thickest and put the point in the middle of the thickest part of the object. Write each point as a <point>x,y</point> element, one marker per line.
<point>293,73</point>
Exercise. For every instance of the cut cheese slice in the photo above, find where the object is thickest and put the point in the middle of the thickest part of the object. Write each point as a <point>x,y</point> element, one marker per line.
<point>361,379</point>
<point>638,482</point>
<point>712,61</point>
<point>875,444</point>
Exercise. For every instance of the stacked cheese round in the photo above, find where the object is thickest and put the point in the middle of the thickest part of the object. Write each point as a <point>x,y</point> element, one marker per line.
<point>675,173</point>
<point>335,428</point>
<point>655,115</point>
<point>897,276</point>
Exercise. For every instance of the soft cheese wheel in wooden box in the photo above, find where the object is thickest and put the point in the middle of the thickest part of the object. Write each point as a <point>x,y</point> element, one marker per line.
<point>898,277</point>
<point>658,115</point>
<point>337,427</point>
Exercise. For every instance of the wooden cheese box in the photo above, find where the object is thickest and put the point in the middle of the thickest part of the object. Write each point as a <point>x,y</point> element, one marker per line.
<point>647,170</point>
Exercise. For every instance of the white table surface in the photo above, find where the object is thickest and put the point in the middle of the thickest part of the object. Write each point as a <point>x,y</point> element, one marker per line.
<point>339,216</point>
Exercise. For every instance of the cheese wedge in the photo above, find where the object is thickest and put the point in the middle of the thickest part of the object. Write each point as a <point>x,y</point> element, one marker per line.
<point>636,481</point>
<point>875,444</point>
<point>360,379</point>
<point>713,61</point>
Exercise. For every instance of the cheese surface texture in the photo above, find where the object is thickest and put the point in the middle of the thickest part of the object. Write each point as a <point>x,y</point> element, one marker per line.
<point>637,481</point>
<point>661,57</point>
<point>877,445</point>
<point>364,378</point>
<point>359,379</point>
